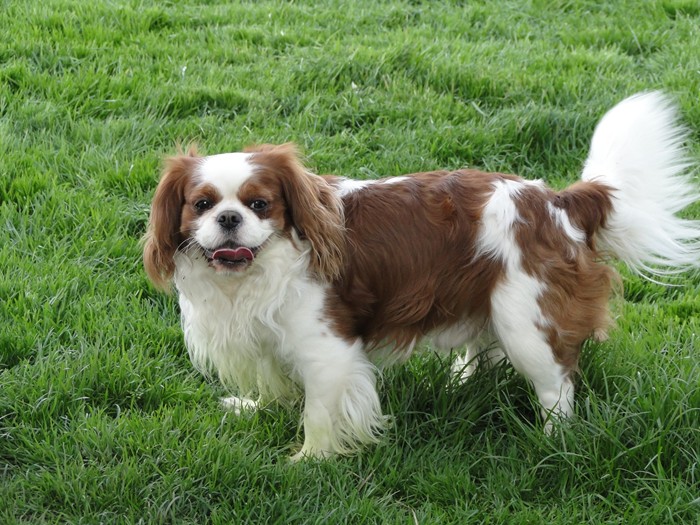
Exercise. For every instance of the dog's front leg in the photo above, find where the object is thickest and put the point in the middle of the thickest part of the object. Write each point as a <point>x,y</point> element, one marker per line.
<point>342,409</point>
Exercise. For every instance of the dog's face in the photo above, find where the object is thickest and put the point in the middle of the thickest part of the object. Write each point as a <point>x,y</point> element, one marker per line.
<point>231,207</point>
<point>231,210</point>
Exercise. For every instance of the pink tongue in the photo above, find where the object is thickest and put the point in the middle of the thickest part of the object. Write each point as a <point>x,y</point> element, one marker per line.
<point>229,254</point>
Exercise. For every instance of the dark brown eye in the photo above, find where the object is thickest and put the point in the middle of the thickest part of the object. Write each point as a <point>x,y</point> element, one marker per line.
<point>258,205</point>
<point>203,205</point>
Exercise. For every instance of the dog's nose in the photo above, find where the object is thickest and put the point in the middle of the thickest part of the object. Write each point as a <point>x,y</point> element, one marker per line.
<point>229,220</point>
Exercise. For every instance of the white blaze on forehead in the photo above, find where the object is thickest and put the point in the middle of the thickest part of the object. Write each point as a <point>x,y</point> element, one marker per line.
<point>226,172</point>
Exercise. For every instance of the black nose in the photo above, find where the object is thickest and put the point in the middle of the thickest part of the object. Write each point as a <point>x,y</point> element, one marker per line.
<point>229,220</point>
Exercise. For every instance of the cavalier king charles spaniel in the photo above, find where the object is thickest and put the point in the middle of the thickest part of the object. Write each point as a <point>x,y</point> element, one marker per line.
<point>292,284</point>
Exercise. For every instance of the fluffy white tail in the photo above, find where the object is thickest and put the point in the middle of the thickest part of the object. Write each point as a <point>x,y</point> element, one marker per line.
<point>638,150</point>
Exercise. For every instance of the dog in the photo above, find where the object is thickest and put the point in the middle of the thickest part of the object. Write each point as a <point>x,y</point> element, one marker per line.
<point>293,284</point>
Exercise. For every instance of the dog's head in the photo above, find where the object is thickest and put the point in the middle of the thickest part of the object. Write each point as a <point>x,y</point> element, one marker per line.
<point>231,207</point>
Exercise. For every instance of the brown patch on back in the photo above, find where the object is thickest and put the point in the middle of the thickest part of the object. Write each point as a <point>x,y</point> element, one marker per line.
<point>411,263</point>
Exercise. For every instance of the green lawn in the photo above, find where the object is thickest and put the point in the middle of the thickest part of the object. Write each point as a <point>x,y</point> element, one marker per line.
<point>102,418</point>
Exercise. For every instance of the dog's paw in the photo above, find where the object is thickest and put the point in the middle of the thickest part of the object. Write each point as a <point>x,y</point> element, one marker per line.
<point>237,405</point>
<point>310,455</point>
<point>463,368</point>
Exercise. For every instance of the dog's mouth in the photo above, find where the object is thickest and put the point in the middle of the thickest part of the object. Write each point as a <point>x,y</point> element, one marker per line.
<point>236,258</point>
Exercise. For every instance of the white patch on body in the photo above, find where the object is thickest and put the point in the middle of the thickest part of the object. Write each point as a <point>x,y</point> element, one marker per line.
<point>347,186</point>
<point>561,219</point>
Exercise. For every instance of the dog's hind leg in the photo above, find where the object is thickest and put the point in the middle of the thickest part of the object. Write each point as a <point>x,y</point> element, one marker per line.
<point>518,323</point>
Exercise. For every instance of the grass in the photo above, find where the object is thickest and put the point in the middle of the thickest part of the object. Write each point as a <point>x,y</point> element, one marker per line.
<point>103,420</point>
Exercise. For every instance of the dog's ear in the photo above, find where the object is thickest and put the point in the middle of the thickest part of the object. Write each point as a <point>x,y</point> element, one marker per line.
<point>163,235</point>
<point>315,209</point>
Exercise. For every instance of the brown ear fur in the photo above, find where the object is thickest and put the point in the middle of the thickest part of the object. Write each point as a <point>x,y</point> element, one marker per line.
<point>163,235</point>
<point>315,209</point>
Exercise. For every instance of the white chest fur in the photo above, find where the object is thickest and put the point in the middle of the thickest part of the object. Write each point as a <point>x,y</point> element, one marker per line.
<point>237,324</point>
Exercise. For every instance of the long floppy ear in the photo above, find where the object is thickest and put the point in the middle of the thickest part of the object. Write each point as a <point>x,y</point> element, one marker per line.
<point>315,209</point>
<point>163,235</point>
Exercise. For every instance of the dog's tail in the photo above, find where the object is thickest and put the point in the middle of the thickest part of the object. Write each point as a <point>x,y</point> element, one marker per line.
<point>638,154</point>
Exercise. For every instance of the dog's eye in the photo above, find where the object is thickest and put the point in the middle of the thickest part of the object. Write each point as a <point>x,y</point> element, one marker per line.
<point>258,205</point>
<point>203,205</point>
